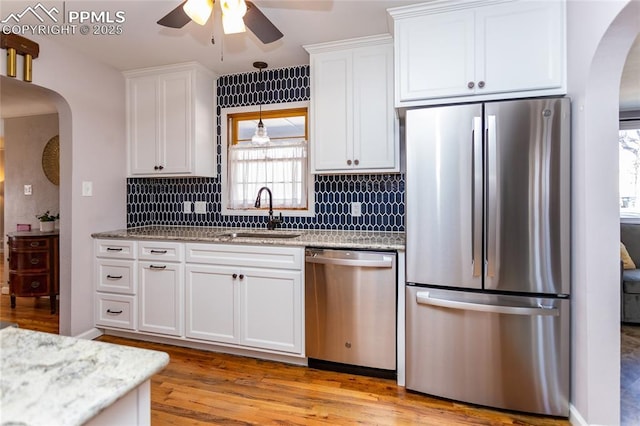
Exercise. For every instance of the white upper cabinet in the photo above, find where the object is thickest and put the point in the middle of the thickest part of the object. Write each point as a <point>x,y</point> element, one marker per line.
<point>171,121</point>
<point>353,124</point>
<point>495,49</point>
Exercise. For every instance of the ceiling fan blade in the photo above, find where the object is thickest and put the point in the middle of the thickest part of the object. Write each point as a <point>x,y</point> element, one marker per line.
<point>260,25</point>
<point>176,18</point>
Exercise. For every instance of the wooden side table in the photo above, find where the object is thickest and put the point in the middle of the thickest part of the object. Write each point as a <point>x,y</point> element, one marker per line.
<point>34,265</point>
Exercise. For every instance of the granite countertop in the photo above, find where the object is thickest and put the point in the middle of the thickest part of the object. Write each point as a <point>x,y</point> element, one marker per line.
<point>49,379</point>
<point>300,237</point>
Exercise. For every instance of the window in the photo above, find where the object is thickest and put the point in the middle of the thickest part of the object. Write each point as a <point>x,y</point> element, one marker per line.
<point>629,154</point>
<point>281,164</point>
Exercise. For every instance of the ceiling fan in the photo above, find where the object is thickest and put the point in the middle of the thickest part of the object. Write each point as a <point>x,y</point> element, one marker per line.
<point>235,15</point>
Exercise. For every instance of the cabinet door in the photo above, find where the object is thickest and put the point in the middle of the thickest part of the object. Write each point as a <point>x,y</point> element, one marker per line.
<point>272,310</point>
<point>332,110</point>
<point>520,46</point>
<point>176,122</point>
<point>435,55</point>
<point>212,303</point>
<point>374,144</point>
<point>161,297</point>
<point>142,98</point>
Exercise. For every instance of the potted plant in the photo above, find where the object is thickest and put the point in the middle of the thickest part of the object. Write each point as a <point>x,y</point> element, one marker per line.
<point>47,221</point>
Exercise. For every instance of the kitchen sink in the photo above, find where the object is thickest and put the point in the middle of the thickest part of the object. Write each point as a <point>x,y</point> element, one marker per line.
<point>260,234</point>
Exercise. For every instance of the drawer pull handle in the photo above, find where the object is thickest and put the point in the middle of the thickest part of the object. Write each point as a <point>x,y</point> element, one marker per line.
<point>157,267</point>
<point>35,284</point>
<point>34,244</point>
<point>114,277</point>
<point>109,311</point>
<point>35,261</point>
<point>114,249</point>
<point>158,252</point>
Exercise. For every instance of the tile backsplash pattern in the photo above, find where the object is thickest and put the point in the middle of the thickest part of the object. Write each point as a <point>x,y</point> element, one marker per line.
<point>159,201</point>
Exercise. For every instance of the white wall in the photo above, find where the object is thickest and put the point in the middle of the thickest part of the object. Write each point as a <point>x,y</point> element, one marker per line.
<point>91,109</point>
<point>600,34</point>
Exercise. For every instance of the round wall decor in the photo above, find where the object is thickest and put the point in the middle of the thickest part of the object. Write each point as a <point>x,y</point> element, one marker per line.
<point>51,160</point>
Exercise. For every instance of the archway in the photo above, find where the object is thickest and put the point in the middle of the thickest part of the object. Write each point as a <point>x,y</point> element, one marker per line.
<point>600,37</point>
<point>22,100</point>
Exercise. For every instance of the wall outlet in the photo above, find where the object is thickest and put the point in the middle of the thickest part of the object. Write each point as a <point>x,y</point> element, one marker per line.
<point>28,190</point>
<point>356,209</point>
<point>187,207</point>
<point>201,207</point>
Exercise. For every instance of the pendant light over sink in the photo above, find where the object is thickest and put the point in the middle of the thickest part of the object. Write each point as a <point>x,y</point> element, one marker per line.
<point>260,136</point>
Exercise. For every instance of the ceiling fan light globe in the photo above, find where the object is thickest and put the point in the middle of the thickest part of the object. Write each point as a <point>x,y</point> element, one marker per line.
<point>232,24</point>
<point>234,8</point>
<point>198,10</point>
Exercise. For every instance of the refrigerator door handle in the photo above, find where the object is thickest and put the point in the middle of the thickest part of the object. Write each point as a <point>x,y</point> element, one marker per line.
<point>492,196</point>
<point>476,185</point>
<point>423,298</point>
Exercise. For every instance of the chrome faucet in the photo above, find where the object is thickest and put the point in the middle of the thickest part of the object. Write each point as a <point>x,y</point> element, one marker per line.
<point>273,221</point>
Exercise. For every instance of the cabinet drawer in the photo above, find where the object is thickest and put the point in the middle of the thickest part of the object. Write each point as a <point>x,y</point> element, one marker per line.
<point>29,284</point>
<point>116,276</point>
<point>29,261</point>
<point>29,243</point>
<point>164,251</point>
<point>114,310</point>
<point>116,249</point>
<point>241,255</point>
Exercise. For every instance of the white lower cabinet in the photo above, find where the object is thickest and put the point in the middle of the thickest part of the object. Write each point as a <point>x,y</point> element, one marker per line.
<point>212,303</point>
<point>161,297</point>
<point>258,307</point>
<point>247,297</point>
<point>271,310</point>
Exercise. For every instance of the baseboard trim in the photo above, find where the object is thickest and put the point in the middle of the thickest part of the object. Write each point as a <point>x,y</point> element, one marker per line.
<point>575,418</point>
<point>90,334</point>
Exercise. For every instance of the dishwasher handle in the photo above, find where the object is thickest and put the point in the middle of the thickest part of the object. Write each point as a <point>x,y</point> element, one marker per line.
<point>379,262</point>
<point>423,298</point>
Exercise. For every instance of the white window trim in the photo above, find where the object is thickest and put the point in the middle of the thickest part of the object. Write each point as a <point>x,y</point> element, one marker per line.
<point>628,124</point>
<point>224,136</point>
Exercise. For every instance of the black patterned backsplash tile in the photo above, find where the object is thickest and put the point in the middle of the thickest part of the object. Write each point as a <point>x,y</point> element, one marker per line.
<point>159,201</point>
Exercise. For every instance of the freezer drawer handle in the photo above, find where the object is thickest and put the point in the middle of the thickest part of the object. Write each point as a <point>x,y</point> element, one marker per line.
<point>384,262</point>
<point>423,298</point>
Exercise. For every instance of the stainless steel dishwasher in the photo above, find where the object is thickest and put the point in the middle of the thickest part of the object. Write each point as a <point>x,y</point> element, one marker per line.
<point>350,303</point>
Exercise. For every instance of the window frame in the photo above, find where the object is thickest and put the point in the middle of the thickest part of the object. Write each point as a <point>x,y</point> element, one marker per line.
<point>226,140</point>
<point>632,122</point>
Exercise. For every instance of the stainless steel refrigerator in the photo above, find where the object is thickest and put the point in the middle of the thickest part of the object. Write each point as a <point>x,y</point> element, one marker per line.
<point>488,253</point>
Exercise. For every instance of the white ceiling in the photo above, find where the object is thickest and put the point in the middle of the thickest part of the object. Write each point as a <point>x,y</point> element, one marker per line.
<point>143,43</point>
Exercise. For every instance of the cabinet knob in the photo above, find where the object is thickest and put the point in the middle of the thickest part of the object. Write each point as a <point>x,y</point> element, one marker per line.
<point>470,85</point>
<point>160,167</point>
<point>234,276</point>
<point>348,162</point>
<point>35,284</point>
<point>155,167</point>
<point>356,162</point>
<point>481,84</point>
<point>241,276</point>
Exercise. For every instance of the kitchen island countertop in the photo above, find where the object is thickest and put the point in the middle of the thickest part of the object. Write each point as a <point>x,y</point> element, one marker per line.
<point>49,379</point>
<point>372,240</point>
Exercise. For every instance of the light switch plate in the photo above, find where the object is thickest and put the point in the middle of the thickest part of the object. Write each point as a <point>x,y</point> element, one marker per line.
<point>201,207</point>
<point>87,189</point>
<point>28,190</point>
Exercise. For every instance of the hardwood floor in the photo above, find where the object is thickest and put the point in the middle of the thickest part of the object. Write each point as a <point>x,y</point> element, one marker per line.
<point>199,387</point>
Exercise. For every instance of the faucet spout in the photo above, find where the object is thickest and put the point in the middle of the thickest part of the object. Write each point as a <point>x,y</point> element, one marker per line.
<point>273,221</point>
